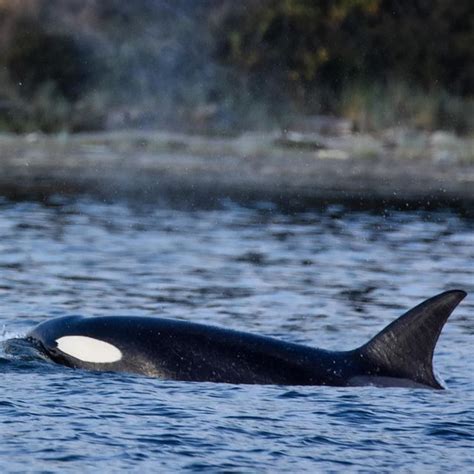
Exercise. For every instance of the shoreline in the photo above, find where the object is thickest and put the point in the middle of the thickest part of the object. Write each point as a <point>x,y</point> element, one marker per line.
<point>291,169</point>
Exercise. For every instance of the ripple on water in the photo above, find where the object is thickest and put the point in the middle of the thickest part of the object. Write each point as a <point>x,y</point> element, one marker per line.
<point>329,278</point>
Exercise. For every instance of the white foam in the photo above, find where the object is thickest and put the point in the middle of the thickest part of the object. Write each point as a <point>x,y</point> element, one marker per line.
<point>5,335</point>
<point>89,349</point>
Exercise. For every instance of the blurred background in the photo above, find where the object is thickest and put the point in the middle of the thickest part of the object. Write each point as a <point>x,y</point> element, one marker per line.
<point>218,66</point>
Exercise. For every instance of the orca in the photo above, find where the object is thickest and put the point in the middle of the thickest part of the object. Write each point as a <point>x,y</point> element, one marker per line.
<point>400,355</point>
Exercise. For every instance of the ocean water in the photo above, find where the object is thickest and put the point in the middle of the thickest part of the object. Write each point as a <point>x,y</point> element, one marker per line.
<point>328,277</point>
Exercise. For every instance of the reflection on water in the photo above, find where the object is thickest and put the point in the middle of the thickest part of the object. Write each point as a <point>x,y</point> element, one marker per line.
<point>329,278</point>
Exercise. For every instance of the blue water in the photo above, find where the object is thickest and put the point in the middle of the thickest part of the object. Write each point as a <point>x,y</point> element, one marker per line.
<point>330,278</point>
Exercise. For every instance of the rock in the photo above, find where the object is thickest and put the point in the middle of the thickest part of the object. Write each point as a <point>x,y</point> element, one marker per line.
<point>332,154</point>
<point>445,147</point>
<point>443,139</point>
<point>301,141</point>
<point>322,125</point>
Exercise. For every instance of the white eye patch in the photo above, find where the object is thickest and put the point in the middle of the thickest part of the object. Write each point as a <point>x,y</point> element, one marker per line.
<point>89,349</point>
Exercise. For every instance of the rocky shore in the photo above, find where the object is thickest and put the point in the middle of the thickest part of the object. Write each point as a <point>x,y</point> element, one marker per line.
<point>294,167</point>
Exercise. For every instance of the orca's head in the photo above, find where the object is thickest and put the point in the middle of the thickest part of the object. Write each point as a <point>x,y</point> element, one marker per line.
<point>68,340</point>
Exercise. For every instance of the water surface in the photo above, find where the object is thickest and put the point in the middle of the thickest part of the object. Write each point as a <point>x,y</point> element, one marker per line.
<point>329,278</point>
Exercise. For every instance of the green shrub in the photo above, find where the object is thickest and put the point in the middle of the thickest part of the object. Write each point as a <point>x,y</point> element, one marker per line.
<point>311,43</point>
<point>37,58</point>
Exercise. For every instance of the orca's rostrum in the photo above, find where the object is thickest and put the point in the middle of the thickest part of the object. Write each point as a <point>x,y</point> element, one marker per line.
<point>400,355</point>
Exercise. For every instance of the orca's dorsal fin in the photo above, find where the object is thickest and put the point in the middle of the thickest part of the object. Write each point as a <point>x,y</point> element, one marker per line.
<point>404,349</point>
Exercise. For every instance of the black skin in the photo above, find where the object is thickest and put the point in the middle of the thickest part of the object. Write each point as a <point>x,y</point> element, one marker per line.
<point>399,355</point>
<point>181,350</point>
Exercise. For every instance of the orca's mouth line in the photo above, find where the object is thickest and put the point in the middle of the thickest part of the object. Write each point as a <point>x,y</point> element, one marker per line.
<point>50,355</point>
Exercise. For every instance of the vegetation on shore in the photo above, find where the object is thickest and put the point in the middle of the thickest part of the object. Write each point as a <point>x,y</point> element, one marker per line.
<point>220,66</point>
